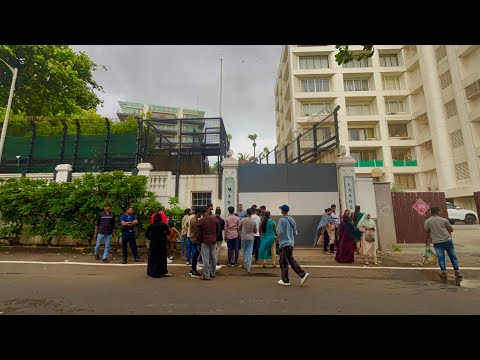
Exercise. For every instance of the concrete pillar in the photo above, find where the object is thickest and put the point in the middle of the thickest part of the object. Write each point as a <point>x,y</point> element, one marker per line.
<point>63,173</point>
<point>436,118</point>
<point>144,169</point>
<point>347,183</point>
<point>386,234</point>
<point>230,182</point>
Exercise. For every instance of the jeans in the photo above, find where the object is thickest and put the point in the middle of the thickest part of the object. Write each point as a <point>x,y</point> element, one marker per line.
<point>209,260</point>
<point>256,246</point>
<point>219,248</point>
<point>195,256</point>
<point>247,248</point>
<point>100,238</point>
<point>129,238</point>
<point>232,245</point>
<point>286,257</point>
<point>189,250</point>
<point>185,245</point>
<point>440,249</point>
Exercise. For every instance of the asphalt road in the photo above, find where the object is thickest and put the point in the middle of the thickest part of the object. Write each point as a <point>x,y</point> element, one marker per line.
<point>90,289</point>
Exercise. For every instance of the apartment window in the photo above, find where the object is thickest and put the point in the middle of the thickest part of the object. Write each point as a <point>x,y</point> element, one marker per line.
<point>397,130</point>
<point>391,83</point>
<point>394,107</point>
<point>405,181</point>
<point>388,60</point>
<point>440,52</point>
<point>315,85</point>
<point>358,109</point>
<point>401,154</point>
<point>446,79</point>
<point>201,198</point>
<point>356,85</point>
<point>314,108</point>
<point>324,133</point>
<point>361,134</point>
<point>313,62</point>
<point>365,155</point>
<point>456,138</point>
<point>461,171</point>
<point>356,64</point>
<point>451,109</point>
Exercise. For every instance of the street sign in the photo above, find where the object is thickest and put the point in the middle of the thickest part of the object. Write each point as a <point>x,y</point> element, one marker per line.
<point>421,207</point>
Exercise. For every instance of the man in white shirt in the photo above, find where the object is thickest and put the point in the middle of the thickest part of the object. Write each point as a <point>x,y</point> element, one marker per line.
<point>256,239</point>
<point>336,221</point>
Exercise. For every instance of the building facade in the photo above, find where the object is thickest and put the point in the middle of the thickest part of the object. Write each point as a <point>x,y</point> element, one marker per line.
<point>409,115</point>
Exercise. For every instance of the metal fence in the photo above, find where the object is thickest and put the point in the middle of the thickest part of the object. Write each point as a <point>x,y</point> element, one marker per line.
<point>321,138</point>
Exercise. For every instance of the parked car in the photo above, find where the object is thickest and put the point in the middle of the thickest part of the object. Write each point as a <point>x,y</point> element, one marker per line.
<point>456,214</point>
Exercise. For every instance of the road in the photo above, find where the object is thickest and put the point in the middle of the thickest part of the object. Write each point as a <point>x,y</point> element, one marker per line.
<point>114,289</point>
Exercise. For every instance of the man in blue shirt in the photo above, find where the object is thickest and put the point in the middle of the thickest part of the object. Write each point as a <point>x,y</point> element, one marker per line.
<point>240,212</point>
<point>128,221</point>
<point>286,230</point>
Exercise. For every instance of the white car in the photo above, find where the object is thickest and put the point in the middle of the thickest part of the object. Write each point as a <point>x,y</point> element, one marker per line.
<point>456,213</point>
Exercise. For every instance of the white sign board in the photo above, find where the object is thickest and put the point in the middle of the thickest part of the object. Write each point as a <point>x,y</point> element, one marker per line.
<point>349,185</point>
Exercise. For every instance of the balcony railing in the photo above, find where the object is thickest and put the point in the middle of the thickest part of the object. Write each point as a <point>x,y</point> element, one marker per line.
<point>369,163</point>
<point>405,163</point>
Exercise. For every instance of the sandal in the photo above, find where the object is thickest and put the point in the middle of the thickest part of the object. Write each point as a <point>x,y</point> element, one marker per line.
<point>367,263</point>
<point>167,275</point>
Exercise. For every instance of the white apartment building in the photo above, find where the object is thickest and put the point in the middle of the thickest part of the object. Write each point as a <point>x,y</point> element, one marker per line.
<point>410,112</point>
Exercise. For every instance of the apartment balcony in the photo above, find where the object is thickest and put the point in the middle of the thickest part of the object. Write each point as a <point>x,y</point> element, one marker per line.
<point>326,96</point>
<point>371,143</point>
<point>364,118</point>
<point>327,72</point>
<point>405,163</point>
<point>412,62</point>
<point>465,50</point>
<point>398,170</point>
<point>472,90</point>
<point>312,49</point>
<point>392,70</point>
<point>474,117</point>
<point>401,142</point>
<point>398,93</point>
<point>369,163</point>
<point>392,117</point>
<point>416,86</point>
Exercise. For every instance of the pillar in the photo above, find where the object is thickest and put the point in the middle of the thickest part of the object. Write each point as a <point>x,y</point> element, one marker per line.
<point>386,233</point>
<point>230,182</point>
<point>64,172</point>
<point>347,182</point>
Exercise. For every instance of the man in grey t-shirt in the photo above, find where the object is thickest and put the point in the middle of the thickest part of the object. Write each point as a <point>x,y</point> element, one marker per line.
<point>439,230</point>
<point>247,229</point>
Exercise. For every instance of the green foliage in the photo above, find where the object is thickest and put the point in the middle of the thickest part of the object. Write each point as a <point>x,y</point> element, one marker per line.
<point>345,55</point>
<point>397,188</point>
<point>175,213</point>
<point>213,169</point>
<point>70,208</point>
<point>52,79</point>
<point>90,122</point>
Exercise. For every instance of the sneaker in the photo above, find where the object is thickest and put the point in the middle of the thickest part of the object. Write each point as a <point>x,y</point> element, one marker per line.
<point>204,278</point>
<point>458,275</point>
<point>171,257</point>
<point>138,259</point>
<point>169,261</point>
<point>97,257</point>
<point>124,261</point>
<point>280,282</point>
<point>199,267</point>
<point>229,265</point>
<point>212,276</point>
<point>443,275</point>
<point>187,263</point>
<point>237,265</point>
<point>195,274</point>
<point>105,261</point>
<point>304,278</point>
<point>249,270</point>
<point>218,267</point>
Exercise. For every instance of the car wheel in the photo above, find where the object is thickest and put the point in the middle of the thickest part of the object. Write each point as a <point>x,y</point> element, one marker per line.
<point>470,219</point>
<point>451,222</point>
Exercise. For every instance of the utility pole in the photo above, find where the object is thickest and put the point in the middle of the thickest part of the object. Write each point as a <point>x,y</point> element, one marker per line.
<point>221,81</point>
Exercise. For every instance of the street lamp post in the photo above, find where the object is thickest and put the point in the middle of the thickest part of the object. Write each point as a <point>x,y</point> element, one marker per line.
<point>9,105</point>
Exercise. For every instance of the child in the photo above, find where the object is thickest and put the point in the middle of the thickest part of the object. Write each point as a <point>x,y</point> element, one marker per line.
<point>172,239</point>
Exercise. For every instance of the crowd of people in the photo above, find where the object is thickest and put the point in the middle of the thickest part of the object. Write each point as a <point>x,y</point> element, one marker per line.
<point>258,236</point>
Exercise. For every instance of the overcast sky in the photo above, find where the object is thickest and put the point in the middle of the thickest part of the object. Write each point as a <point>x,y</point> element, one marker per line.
<point>181,76</point>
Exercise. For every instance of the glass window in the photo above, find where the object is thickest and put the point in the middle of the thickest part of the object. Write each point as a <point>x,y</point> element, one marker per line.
<point>397,130</point>
<point>356,64</point>
<point>356,85</point>
<point>358,109</point>
<point>313,62</point>
<point>391,83</point>
<point>365,155</point>
<point>388,60</point>
<point>401,154</point>
<point>394,107</point>
<point>314,108</point>
<point>405,181</point>
<point>315,85</point>
<point>361,134</point>
<point>201,198</point>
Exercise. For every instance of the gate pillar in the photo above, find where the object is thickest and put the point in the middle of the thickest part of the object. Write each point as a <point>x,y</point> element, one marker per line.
<point>230,182</point>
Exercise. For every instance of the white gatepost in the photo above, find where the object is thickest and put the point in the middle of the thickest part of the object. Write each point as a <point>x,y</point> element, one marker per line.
<point>230,182</point>
<point>63,173</point>
<point>347,183</point>
<point>144,169</point>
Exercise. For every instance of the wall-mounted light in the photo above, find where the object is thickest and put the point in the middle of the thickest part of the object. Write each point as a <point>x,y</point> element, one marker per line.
<point>18,160</point>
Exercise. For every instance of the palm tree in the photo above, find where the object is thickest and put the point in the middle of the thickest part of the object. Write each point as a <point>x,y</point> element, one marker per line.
<point>253,137</point>
<point>243,158</point>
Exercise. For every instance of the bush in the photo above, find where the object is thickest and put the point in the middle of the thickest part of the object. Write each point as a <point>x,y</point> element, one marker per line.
<point>70,208</point>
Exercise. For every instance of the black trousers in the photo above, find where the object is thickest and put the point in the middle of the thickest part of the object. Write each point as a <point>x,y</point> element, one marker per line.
<point>286,258</point>
<point>129,238</point>
<point>326,240</point>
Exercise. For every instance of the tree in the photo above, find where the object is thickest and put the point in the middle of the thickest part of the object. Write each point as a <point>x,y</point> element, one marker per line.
<point>52,79</point>
<point>213,169</point>
<point>253,137</point>
<point>243,158</point>
<point>345,55</point>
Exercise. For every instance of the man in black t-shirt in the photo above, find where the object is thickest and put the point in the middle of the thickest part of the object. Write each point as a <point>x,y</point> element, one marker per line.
<point>104,230</point>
